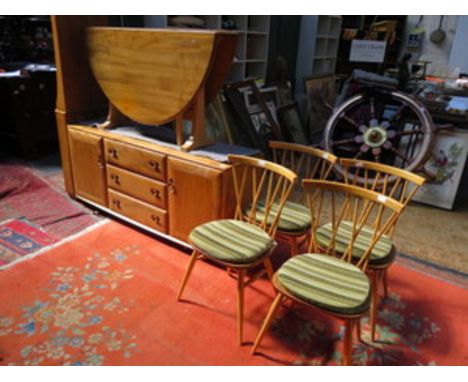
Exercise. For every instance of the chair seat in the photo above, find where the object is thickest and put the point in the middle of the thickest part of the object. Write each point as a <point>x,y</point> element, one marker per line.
<point>326,282</point>
<point>231,241</point>
<point>295,217</point>
<point>382,252</point>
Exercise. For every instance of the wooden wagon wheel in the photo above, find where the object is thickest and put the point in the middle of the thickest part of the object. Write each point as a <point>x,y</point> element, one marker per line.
<point>384,126</point>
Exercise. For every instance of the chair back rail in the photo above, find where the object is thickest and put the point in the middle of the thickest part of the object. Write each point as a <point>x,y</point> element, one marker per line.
<point>307,162</point>
<point>353,208</point>
<point>390,181</point>
<point>261,189</point>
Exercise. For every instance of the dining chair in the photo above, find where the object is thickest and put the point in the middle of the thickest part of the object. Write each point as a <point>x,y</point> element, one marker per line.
<point>387,180</point>
<point>325,278</point>
<point>308,163</point>
<point>244,242</point>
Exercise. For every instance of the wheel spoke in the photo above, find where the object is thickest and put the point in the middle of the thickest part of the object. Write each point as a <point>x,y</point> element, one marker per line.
<point>343,142</point>
<point>358,155</point>
<point>376,153</point>
<point>402,156</point>
<point>349,120</point>
<point>410,132</point>
<point>372,108</point>
<point>398,114</point>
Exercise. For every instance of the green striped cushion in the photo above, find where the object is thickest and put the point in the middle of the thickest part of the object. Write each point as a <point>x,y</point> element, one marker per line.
<point>232,241</point>
<point>327,282</point>
<point>295,217</point>
<point>381,253</point>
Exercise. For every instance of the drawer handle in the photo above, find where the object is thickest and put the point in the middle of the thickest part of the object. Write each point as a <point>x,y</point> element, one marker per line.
<point>112,152</point>
<point>116,202</point>
<point>156,219</point>
<point>115,178</point>
<point>155,165</point>
<point>156,193</point>
<point>171,186</point>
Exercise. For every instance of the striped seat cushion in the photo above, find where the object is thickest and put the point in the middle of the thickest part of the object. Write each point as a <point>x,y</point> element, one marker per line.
<point>381,253</point>
<point>327,282</point>
<point>232,241</point>
<point>295,217</point>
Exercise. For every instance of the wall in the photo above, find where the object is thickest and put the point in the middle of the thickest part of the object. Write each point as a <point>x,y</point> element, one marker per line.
<point>305,51</point>
<point>459,53</point>
<point>439,55</point>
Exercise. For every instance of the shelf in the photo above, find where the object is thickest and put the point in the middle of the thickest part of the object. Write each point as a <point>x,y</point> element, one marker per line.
<point>257,33</point>
<point>250,57</point>
<point>256,70</point>
<point>256,47</point>
<point>258,23</point>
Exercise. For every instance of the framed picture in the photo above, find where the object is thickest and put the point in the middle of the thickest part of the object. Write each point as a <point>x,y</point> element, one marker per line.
<point>270,97</point>
<point>325,86</point>
<point>216,123</point>
<point>321,96</point>
<point>256,121</point>
<point>445,168</point>
<point>291,122</point>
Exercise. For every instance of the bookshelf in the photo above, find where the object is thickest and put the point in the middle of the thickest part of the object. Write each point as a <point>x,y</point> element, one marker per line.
<point>251,57</point>
<point>318,47</point>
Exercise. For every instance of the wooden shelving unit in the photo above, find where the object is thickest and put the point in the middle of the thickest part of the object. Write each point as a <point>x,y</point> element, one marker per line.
<point>251,57</point>
<point>318,47</point>
<point>326,45</point>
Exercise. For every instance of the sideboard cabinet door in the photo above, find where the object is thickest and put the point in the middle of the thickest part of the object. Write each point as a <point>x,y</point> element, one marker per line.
<point>195,196</point>
<point>86,151</point>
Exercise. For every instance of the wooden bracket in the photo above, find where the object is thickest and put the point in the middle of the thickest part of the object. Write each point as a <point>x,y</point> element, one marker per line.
<point>198,137</point>
<point>114,118</point>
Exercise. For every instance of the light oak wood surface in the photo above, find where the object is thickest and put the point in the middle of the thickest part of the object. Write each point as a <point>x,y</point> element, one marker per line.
<point>145,162</point>
<point>194,194</point>
<point>202,186</point>
<point>88,166</point>
<point>150,75</point>
<point>142,212</point>
<point>138,186</point>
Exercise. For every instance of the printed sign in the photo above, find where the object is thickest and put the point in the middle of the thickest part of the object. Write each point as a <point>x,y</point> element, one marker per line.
<point>367,51</point>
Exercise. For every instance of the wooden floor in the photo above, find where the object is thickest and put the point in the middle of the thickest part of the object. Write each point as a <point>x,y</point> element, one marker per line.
<point>435,235</point>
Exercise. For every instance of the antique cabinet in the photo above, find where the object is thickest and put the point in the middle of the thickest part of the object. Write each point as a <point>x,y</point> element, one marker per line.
<point>162,187</point>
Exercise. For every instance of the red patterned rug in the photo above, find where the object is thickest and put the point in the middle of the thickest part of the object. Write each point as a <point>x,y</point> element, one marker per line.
<point>108,298</point>
<point>26,196</point>
<point>19,238</point>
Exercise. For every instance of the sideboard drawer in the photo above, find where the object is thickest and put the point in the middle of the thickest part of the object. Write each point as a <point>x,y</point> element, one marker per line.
<point>144,213</point>
<point>138,186</point>
<point>143,161</point>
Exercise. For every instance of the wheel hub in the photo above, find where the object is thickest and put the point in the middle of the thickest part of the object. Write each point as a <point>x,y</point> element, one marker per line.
<point>375,136</point>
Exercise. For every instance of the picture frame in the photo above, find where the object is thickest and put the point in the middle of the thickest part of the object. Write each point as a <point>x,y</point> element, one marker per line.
<point>445,167</point>
<point>291,122</point>
<point>321,96</point>
<point>216,122</point>
<point>324,85</point>
<point>256,124</point>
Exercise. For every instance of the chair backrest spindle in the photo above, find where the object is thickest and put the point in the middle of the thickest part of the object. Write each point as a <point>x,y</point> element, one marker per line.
<point>352,209</point>
<point>260,182</point>
<point>307,162</point>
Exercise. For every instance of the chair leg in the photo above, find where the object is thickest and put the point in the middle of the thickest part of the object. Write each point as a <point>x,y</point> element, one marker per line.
<point>358,330</point>
<point>374,304</point>
<point>188,271</point>
<point>293,243</point>
<point>240,305</point>
<point>385,283</point>
<point>267,322</point>
<point>269,268</point>
<point>348,342</point>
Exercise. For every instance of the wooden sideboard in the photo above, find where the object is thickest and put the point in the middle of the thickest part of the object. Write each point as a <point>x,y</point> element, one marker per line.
<point>155,186</point>
<point>166,191</point>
